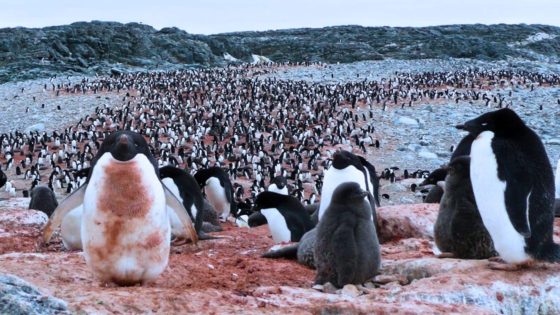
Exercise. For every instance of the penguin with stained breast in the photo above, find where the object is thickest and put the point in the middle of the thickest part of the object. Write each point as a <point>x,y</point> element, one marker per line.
<point>43,199</point>
<point>186,189</point>
<point>218,189</point>
<point>436,191</point>
<point>125,228</point>
<point>287,218</point>
<point>513,186</point>
<point>347,249</point>
<point>346,167</point>
<point>459,230</point>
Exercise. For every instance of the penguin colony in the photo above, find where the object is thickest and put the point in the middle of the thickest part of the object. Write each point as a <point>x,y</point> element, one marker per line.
<point>225,127</point>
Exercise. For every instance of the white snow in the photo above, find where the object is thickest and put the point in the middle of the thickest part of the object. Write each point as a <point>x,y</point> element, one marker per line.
<point>229,57</point>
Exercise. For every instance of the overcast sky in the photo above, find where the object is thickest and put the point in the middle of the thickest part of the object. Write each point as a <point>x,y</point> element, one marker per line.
<point>218,16</point>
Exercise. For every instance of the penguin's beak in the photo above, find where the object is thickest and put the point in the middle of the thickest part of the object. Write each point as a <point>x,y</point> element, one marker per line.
<point>461,127</point>
<point>123,149</point>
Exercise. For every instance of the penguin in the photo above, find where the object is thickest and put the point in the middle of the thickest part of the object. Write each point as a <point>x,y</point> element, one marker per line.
<point>371,175</point>
<point>556,181</point>
<point>436,191</point>
<point>459,229</point>
<point>3,179</point>
<point>287,218</point>
<point>43,199</point>
<point>279,184</point>
<point>218,189</point>
<point>70,229</point>
<point>347,249</point>
<point>346,167</point>
<point>186,189</point>
<point>557,193</point>
<point>125,228</point>
<point>513,186</point>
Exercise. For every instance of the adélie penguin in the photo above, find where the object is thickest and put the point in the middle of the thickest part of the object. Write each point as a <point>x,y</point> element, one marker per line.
<point>125,228</point>
<point>186,189</point>
<point>218,189</point>
<point>347,249</point>
<point>459,231</point>
<point>286,217</point>
<point>513,185</point>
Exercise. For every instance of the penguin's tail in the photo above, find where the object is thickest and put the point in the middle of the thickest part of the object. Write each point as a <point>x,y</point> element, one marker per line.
<point>289,252</point>
<point>550,253</point>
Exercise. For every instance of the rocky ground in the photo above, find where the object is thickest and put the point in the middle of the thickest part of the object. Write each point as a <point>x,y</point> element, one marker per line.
<point>229,276</point>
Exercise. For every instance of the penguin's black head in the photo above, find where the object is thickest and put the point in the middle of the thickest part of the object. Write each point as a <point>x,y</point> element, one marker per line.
<point>343,159</point>
<point>280,181</point>
<point>267,199</point>
<point>502,122</point>
<point>435,176</point>
<point>124,145</point>
<point>348,192</point>
<point>460,166</point>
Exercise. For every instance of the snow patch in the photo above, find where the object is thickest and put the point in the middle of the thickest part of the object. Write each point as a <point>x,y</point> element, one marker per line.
<point>229,57</point>
<point>537,37</point>
<point>259,59</point>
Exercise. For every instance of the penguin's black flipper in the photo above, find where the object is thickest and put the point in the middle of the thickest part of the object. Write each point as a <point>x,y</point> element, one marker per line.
<point>557,207</point>
<point>517,198</point>
<point>289,252</point>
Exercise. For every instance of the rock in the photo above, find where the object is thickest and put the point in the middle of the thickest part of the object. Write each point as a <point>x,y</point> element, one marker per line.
<point>19,297</point>
<point>406,221</point>
<point>20,229</point>
<point>351,291</point>
<point>427,154</point>
<point>329,288</point>
<point>406,121</point>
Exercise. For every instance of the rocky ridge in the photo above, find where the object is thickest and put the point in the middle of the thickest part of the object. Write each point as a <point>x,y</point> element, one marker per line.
<point>101,47</point>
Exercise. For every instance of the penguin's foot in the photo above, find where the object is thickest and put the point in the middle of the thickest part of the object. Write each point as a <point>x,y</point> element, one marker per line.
<point>495,265</point>
<point>178,241</point>
<point>446,255</point>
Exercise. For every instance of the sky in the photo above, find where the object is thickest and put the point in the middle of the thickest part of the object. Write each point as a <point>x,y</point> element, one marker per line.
<point>220,16</point>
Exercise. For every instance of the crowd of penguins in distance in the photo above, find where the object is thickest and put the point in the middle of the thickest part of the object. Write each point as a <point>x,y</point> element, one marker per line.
<point>188,150</point>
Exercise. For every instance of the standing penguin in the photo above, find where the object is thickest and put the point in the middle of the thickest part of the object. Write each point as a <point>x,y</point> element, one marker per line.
<point>3,179</point>
<point>371,176</point>
<point>279,184</point>
<point>557,194</point>
<point>347,248</point>
<point>287,218</point>
<point>125,228</point>
<point>218,189</point>
<point>459,229</point>
<point>43,199</point>
<point>186,189</point>
<point>513,186</point>
<point>346,167</point>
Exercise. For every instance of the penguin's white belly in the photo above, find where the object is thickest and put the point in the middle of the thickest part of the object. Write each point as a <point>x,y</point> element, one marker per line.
<point>217,197</point>
<point>277,225</point>
<point>489,192</point>
<point>557,181</point>
<point>335,177</point>
<point>70,229</point>
<point>125,226</point>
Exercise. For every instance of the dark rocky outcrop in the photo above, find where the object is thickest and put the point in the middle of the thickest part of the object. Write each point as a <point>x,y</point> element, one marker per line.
<point>98,47</point>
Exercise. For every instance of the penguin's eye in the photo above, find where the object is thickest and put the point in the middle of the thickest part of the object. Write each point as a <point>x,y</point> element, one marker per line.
<point>484,124</point>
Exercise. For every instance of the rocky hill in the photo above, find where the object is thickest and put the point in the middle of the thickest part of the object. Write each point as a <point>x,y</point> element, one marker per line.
<point>98,47</point>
